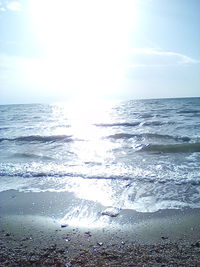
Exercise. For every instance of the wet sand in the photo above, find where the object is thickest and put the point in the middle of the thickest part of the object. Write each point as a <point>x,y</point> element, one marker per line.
<point>58,229</point>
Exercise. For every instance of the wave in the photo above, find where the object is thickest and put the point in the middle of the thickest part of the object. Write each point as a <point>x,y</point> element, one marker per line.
<point>168,137</point>
<point>145,115</point>
<point>173,148</point>
<point>150,136</point>
<point>4,128</point>
<point>62,175</point>
<point>40,139</point>
<point>129,179</point>
<point>124,136</point>
<point>31,156</point>
<point>157,123</point>
<point>133,124</point>
<point>125,124</point>
<point>189,112</point>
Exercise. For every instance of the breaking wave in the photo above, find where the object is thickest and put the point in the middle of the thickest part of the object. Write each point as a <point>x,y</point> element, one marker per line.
<point>150,136</point>
<point>173,148</point>
<point>133,124</point>
<point>39,138</point>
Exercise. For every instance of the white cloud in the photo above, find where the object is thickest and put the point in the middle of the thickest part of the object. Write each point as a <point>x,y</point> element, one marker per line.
<point>147,57</point>
<point>2,8</point>
<point>10,5</point>
<point>14,6</point>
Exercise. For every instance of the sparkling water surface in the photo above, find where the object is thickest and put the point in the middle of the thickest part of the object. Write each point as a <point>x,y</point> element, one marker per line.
<point>142,155</point>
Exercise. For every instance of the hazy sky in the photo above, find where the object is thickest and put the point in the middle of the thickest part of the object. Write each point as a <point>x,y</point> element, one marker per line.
<point>54,50</point>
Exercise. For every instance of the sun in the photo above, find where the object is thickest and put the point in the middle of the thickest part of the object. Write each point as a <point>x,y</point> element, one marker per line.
<point>84,43</point>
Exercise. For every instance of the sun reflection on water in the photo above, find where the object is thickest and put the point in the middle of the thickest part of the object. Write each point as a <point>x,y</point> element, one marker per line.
<point>94,190</point>
<point>83,216</point>
<point>92,152</point>
<point>79,120</point>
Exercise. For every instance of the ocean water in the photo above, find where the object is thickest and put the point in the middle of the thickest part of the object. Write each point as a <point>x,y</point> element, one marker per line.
<point>142,155</point>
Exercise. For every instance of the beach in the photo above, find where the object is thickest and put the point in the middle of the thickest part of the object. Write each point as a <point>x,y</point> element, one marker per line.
<point>99,133</point>
<point>33,233</point>
<point>100,184</point>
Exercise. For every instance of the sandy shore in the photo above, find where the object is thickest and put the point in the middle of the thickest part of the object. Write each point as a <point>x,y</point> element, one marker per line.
<point>58,229</point>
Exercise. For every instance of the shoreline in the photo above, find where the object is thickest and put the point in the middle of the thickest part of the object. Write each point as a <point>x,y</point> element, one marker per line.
<point>38,229</point>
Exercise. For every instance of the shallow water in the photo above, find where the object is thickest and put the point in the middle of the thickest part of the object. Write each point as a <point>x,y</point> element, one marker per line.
<point>142,155</point>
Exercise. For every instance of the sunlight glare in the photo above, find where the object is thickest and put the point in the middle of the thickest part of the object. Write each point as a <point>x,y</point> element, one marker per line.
<point>83,116</point>
<point>82,217</point>
<point>85,42</point>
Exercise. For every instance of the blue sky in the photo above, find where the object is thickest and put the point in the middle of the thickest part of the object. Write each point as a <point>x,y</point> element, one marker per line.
<point>55,50</point>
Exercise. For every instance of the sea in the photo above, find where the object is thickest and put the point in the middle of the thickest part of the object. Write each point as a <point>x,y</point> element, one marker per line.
<point>142,155</point>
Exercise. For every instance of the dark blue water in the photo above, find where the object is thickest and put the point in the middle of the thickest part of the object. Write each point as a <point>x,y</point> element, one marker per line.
<point>142,155</point>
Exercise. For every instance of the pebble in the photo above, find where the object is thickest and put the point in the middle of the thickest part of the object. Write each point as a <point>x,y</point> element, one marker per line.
<point>164,237</point>
<point>112,212</point>
<point>197,244</point>
<point>165,254</point>
<point>67,239</point>
<point>88,233</point>
<point>63,225</point>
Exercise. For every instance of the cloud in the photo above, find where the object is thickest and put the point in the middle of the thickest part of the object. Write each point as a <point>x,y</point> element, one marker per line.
<point>2,8</point>
<point>10,5</point>
<point>14,6</point>
<point>148,57</point>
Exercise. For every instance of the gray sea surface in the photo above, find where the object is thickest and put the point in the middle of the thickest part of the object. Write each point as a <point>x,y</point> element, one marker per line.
<point>142,155</point>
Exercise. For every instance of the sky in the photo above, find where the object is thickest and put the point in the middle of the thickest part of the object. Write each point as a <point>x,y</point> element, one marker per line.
<point>56,50</point>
